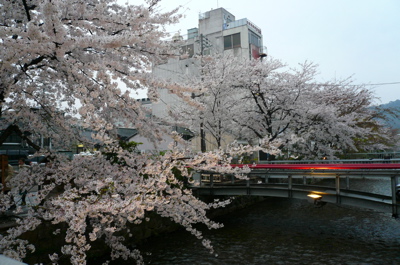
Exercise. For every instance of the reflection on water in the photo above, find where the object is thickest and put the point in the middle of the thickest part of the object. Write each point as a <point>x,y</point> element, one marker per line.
<point>287,231</point>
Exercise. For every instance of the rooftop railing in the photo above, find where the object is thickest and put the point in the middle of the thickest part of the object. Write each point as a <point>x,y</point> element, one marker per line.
<point>242,22</point>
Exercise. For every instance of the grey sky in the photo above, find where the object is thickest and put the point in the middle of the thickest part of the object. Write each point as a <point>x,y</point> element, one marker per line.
<point>359,38</point>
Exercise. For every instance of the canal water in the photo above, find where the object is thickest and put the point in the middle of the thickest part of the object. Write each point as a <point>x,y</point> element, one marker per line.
<point>289,231</point>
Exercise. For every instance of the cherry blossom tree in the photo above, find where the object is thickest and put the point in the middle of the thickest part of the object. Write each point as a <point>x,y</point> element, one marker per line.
<point>266,101</point>
<point>312,119</point>
<point>70,66</point>
<point>347,122</point>
<point>215,99</point>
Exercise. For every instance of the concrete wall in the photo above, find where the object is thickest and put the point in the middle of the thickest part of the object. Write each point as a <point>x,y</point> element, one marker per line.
<point>213,21</point>
<point>174,71</point>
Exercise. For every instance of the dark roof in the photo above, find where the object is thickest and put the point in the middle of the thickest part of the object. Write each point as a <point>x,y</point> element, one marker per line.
<point>183,131</point>
<point>126,133</point>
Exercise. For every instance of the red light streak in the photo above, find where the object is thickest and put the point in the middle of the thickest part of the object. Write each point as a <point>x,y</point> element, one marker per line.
<point>319,166</point>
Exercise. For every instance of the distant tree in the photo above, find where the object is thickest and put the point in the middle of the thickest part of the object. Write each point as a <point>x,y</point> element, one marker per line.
<point>364,124</point>
<point>312,119</point>
<point>66,65</point>
<point>267,101</point>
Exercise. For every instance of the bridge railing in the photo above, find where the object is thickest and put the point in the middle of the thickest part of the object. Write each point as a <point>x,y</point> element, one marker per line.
<point>341,161</point>
<point>301,180</point>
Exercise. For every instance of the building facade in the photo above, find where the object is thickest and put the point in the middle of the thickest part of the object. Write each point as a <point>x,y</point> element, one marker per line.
<point>218,32</point>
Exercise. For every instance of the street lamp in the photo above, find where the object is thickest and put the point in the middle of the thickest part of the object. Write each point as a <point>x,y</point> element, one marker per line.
<point>316,199</point>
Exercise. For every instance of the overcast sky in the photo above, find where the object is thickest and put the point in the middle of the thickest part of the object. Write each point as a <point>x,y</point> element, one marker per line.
<point>359,38</point>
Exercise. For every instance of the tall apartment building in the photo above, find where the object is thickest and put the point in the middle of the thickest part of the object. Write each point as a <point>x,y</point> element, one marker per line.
<point>218,32</point>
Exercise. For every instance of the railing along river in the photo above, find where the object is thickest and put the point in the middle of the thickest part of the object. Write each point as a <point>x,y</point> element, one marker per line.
<point>302,181</point>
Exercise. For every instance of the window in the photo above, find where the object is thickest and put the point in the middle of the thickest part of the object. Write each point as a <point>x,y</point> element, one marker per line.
<point>232,41</point>
<point>254,39</point>
<point>236,40</point>
<point>228,42</point>
<point>188,49</point>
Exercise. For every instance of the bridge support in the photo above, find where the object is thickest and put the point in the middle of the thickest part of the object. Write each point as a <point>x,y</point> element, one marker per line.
<point>337,185</point>
<point>211,184</point>
<point>395,206</point>
<point>266,179</point>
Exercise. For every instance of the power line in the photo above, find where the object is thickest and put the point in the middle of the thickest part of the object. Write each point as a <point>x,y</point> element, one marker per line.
<point>355,85</point>
<point>382,84</point>
<point>321,84</point>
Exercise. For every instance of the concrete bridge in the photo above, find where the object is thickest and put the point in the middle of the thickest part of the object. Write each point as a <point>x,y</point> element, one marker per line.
<point>302,181</point>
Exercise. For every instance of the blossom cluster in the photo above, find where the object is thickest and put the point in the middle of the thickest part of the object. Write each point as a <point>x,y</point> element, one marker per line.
<point>264,102</point>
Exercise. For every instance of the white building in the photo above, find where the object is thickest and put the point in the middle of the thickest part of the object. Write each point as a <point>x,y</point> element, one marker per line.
<point>218,32</point>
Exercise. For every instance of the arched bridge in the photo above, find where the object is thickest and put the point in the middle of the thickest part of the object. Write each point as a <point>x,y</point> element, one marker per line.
<point>306,181</point>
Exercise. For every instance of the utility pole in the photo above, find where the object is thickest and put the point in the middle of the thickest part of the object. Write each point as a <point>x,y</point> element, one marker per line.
<point>204,43</point>
<point>203,146</point>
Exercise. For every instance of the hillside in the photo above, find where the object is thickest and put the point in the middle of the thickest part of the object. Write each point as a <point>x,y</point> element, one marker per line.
<point>394,122</point>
